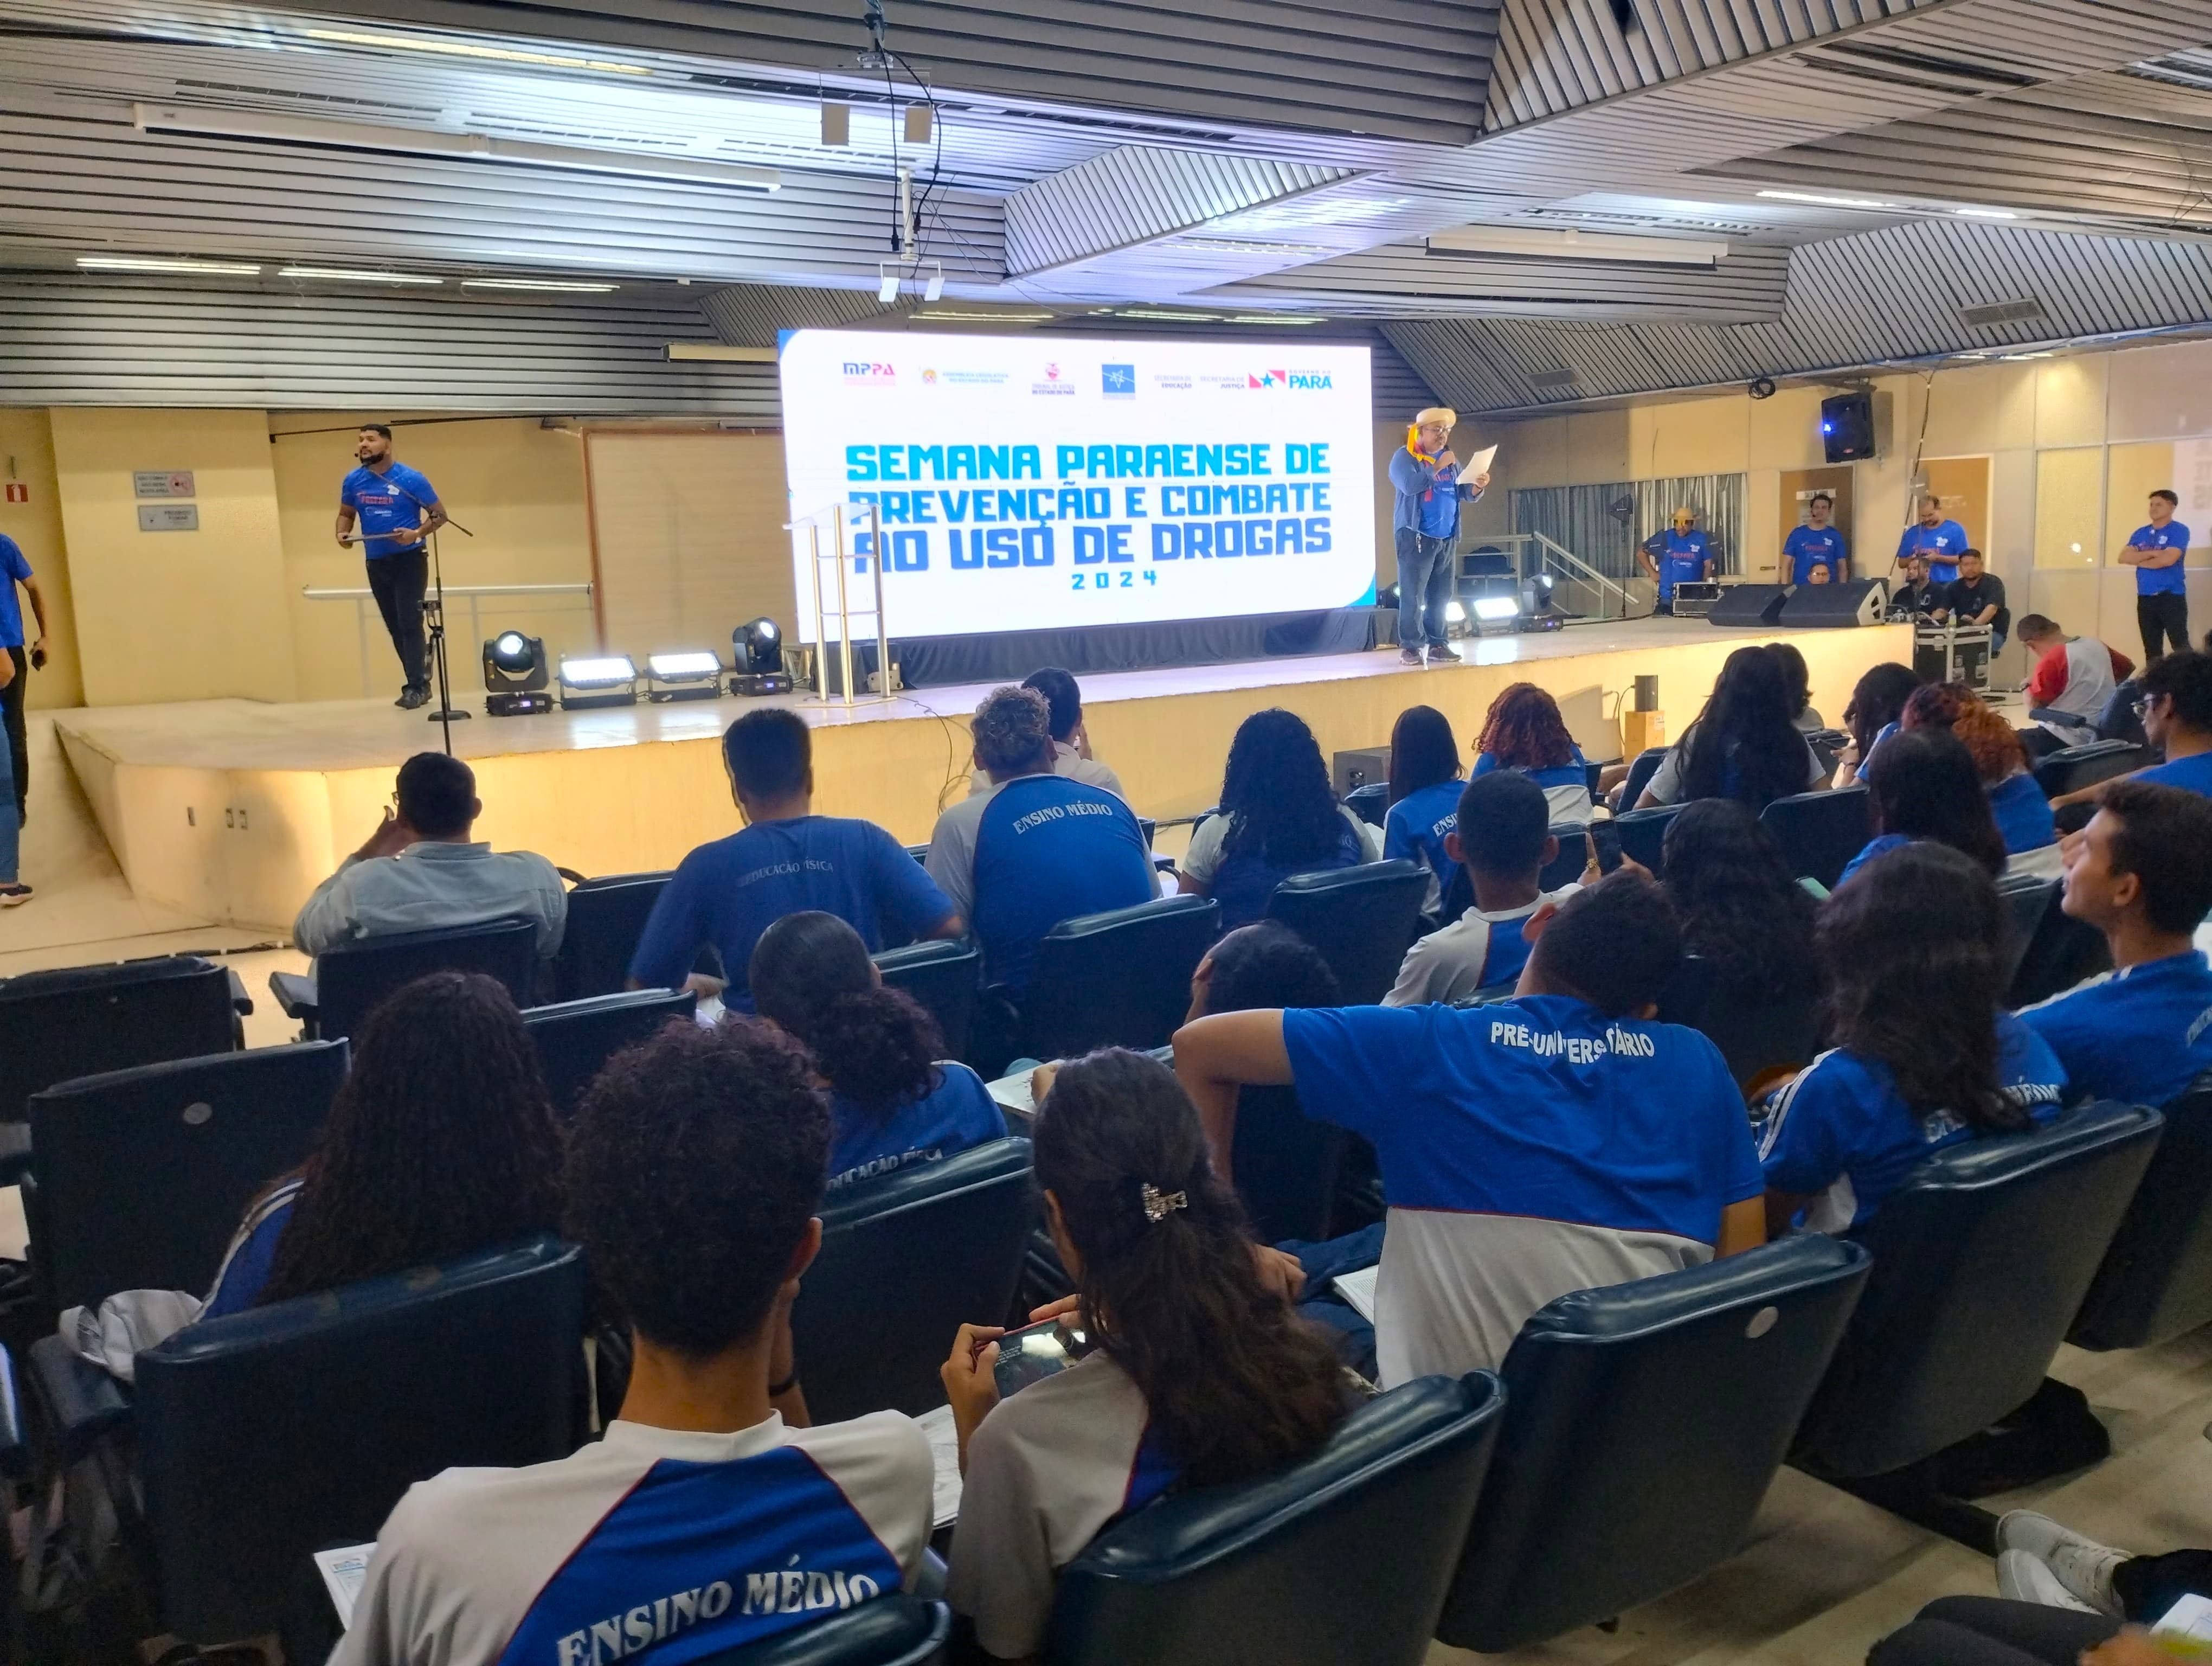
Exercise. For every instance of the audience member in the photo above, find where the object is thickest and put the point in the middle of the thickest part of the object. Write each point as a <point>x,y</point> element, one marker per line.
<point>1989,1631</point>
<point>894,1098</point>
<point>2072,679</point>
<point>1742,911</point>
<point>2044,1561</point>
<point>1043,848</point>
<point>1503,840</point>
<point>1923,1057</point>
<point>707,1507</point>
<point>1877,701</point>
<point>420,871</point>
<point>1744,745</point>
<point>2141,872</point>
<point>1262,964</point>
<point>2017,804</point>
<point>1976,598</point>
<point>1924,786</point>
<point>1277,816</point>
<point>2176,704</point>
<point>1799,677</point>
<point>785,858</point>
<point>1071,738</point>
<point>1523,731</point>
<point>1425,772</point>
<point>1198,1374</point>
<point>1552,1142</point>
<point>441,1142</point>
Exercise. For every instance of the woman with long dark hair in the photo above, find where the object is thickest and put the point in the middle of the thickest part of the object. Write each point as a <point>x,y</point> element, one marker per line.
<point>1744,745</point>
<point>1524,731</point>
<point>1741,909</point>
<point>1876,704</point>
<point>1424,771</point>
<point>1199,1374</point>
<point>1799,676</point>
<point>1924,785</point>
<point>2022,812</point>
<point>894,1099</point>
<point>1922,1054</point>
<point>441,1142</point>
<point>1278,817</point>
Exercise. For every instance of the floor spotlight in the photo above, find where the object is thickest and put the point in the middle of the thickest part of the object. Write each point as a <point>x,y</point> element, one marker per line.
<point>688,676</point>
<point>603,680</point>
<point>515,676</point>
<point>757,648</point>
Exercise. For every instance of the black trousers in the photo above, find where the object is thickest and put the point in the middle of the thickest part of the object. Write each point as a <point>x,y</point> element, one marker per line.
<point>11,711</point>
<point>400,581</point>
<point>1989,1631</point>
<point>2163,617</point>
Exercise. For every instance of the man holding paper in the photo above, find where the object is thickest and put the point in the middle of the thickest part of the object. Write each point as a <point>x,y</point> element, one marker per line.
<point>1429,486</point>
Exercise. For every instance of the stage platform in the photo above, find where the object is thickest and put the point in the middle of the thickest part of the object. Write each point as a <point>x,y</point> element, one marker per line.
<point>233,810</point>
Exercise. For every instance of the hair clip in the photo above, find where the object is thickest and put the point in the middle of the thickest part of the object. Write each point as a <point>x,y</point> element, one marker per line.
<point>1159,1205</point>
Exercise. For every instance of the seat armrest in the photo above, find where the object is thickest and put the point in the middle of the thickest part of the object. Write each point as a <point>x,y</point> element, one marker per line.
<point>82,1403</point>
<point>296,997</point>
<point>14,1445</point>
<point>240,1002</point>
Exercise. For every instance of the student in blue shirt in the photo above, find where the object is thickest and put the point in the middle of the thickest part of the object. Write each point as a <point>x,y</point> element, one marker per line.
<point>786,859</point>
<point>2173,698</point>
<point>1523,731</point>
<point>1278,817</point>
<point>894,1100</point>
<point>2141,872</point>
<point>1816,545</point>
<point>1424,771</point>
<point>398,509</point>
<point>1937,538</point>
<point>1923,1057</point>
<point>2022,814</point>
<point>1678,555</point>
<point>1923,786</point>
<point>2156,551</point>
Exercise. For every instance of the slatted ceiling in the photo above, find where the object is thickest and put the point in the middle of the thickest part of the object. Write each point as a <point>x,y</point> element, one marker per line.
<point>753,314</point>
<point>1136,194</point>
<point>1399,389</point>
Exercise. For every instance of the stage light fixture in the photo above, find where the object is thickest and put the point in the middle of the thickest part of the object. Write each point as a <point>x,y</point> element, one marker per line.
<point>691,675</point>
<point>757,648</point>
<point>1455,613</point>
<point>1490,609</point>
<point>602,680</point>
<point>515,676</point>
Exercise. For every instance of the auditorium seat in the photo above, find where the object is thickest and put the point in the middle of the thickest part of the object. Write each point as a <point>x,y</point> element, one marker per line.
<point>1572,860</point>
<point>1117,979</point>
<point>265,1435</point>
<point>1639,774</point>
<point>575,1038</point>
<point>1643,1424</point>
<point>2118,720</point>
<point>2027,898</point>
<point>139,1177</point>
<point>944,976</point>
<point>906,1259</point>
<point>1360,918</point>
<point>2155,1281</point>
<point>1981,1261</point>
<point>1371,802</point>
<point>2062,952</point>
<point>894,1629</point>
<point>2070,768</point>
<point>86,1020</point>
<point>1287,1165</point>
<point>606,917</point>
<point>1820,832</point>
<point>1343,1556</point>
<point>1756,1037</point>
<point>351,979</point>
<point>1643,834</point>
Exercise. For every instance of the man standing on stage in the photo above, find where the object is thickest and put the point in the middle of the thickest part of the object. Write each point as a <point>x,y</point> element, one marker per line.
<point>1678,555</point>
<point>1936,538</point>
<point>1426,475</point>
<point>2155,552</point>
<point>398,507</point>
<point>1817,547</point>
<point>14,570</point>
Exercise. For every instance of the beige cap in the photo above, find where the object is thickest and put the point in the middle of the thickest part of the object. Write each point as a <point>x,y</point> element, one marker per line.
<point>1442,414</point>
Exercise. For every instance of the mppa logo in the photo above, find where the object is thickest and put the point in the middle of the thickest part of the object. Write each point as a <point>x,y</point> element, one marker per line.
<point>856,371</point>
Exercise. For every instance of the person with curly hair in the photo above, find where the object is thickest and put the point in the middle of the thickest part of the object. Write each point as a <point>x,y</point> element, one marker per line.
<point>1424,795</point>
<point>707,1510</point>
<point>1042,848</point>
<point>1199,1374</point>
<point>1745,745</point>
<point>1279,816</point>
<point>1070,737</point>
<point>441,1142</point>
<point>1923,1056</point>
<point>2022,812</point>
<point>894,1099</point>
<point>1525,731</point>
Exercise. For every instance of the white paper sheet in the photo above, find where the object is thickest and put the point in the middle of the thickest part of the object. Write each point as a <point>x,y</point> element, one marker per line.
<point>1358,1289</point>
<point>343,1571</point>
<point>944,1449</point>
<point>2190,1617</point>
<point>1480,464</point>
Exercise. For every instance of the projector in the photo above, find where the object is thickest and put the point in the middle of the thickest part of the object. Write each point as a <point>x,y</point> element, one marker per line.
<point>1694,600</point>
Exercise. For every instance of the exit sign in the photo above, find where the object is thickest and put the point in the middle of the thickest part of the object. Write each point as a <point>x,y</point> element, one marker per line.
<point>18,492</point>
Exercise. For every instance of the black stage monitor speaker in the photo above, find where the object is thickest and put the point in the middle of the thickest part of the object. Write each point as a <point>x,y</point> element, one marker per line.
<point>1742,604</point>
<point>1837,606</point>
<point>1847,426</point>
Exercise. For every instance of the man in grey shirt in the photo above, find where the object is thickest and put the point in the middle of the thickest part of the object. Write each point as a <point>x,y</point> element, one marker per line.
<point>420,871</point>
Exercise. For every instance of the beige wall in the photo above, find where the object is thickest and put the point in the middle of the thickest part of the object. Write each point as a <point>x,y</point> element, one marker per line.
<point>26,455</point>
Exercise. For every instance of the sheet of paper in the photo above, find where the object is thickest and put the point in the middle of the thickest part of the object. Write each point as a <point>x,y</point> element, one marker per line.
<point>1480,464</point>
<point>343,1571</point>
<point>2190,1617</point>
<point>1358,1289</point>
<point>1012,1093</point>
<point>944,1449</point>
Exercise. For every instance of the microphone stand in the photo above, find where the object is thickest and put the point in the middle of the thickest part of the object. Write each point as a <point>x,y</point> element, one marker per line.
<point>433,615</point>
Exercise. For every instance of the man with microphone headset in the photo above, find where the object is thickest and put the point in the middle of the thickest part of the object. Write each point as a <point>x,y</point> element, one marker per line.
<point>397,507</point>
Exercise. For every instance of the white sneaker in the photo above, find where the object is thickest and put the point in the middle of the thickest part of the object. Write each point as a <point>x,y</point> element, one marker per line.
<point>2081,1566</point>
<point>2021,1578</point>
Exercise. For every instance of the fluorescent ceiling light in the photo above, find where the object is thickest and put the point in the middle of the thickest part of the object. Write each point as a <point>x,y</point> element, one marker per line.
<point>2014,358</point>
<point>1984,213</point>
<point>424,142</point>
<point>134,263</point>
<point>559,285</point>
<point>1172,317</point>
<point>1572,243</point>
<point>953,315</point>
<point>342,275</point>
<point>1253,245</point>
<point>721,352</point>
<point>467,49</point>
<point>1823,201</point>
<point>1271,318</point>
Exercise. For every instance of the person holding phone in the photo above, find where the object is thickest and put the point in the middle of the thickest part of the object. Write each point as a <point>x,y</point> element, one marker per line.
<point>15,690</point>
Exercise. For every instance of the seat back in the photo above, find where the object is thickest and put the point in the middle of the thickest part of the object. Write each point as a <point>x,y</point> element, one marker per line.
<point>2070,768</point>
<point>87,1020</point>
<point>2118,720</point>
<point>1639,774</point>
<point>906,1259</point>
<point>353,977</point>
<point>894,1629</point>
<point>1342,1557</point>
<point>944,977</point>
<point>1644,836</point>
<point>2027,898</point>
<point>1360,918</point>
<point>1117,979</point>
<point>606,917</point>
<point>575,1038</point>
<point>1981,1260</point>
<point>2062,952</point>
<point>2155,1281</point>
<point>1820,832</point>
<point>1567,866</point>
<point>142,1176</point>
<point>1644,1423</point>
<point>1755,1036</point>
<point>1371,802</point>
<point>266,1435</point>
<point>1286,1165</point>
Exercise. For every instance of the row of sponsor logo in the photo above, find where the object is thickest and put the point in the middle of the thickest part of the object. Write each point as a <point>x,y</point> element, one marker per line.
<point>1115,381</point>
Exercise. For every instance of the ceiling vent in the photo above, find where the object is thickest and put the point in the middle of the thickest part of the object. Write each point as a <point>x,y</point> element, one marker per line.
<point>1551,380</point>
<point>2001,311</point>
<point>1924,72</point>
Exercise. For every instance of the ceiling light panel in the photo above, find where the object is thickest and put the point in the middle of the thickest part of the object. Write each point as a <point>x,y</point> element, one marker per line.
<point>134,263</point>
<point>348,275</point>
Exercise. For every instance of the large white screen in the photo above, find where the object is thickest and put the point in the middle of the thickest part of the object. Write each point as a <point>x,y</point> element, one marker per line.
<point>1029,484</point>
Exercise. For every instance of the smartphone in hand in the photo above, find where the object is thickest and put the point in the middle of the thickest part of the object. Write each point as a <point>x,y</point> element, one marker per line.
<point>1036,1352</point>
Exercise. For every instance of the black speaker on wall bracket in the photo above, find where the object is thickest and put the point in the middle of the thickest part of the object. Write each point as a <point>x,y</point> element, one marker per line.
<point>1847,426</point>
<point>1744,605</point>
